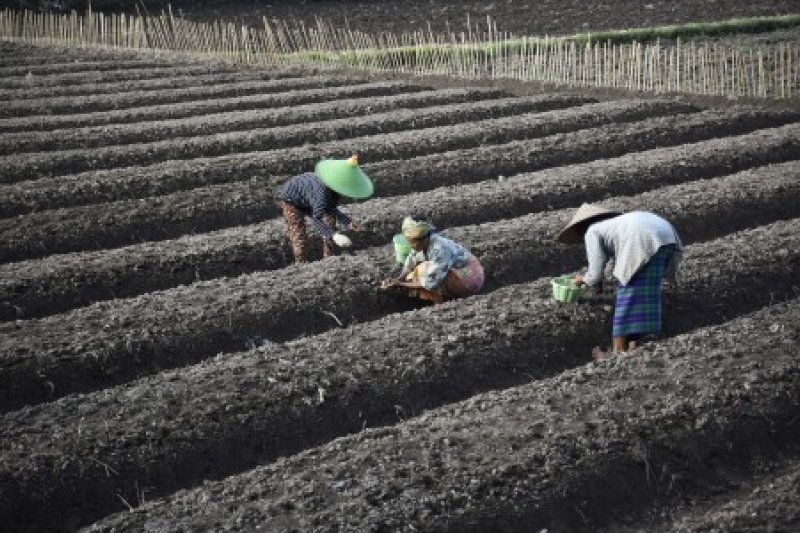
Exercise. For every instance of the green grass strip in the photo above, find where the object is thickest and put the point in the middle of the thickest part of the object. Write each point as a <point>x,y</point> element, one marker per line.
<point>691,30</point>
<point>427,53</point>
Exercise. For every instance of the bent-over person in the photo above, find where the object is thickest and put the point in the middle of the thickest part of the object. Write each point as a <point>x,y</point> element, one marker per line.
<point>316,195</point>
<point>438,268</point>
<point>646,250</point>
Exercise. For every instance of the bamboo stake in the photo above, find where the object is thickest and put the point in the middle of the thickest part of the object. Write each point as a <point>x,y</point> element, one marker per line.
<point>613,51</point>
<point>779,72</point>
<point>771,71</point>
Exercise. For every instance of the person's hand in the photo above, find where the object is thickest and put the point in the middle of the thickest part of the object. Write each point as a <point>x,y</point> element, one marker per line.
<point>342,240</point>
<point>578,280</point>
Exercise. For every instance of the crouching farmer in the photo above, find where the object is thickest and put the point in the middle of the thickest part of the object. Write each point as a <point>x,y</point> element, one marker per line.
<point>437,269</point>
<point>317,195</point>
<point>646,249</point>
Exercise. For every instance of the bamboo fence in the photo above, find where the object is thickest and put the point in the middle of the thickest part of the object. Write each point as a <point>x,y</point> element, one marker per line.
<point>770,70</point>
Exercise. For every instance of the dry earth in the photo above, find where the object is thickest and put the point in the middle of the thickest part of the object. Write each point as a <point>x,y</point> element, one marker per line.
<point>159,351</point>
<point>521,17</point>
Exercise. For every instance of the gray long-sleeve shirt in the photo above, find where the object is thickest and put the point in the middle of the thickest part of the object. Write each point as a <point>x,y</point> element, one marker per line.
<point>631,239</point>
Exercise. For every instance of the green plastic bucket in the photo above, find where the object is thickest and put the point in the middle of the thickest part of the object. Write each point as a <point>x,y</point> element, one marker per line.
<point>565,290</point>
<point>401,248</point>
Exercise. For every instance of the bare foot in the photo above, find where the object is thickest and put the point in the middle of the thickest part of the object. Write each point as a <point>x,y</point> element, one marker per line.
<point>598,355</point>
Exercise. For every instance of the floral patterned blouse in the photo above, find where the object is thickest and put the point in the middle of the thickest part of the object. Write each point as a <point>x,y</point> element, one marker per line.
<point>443,253</point>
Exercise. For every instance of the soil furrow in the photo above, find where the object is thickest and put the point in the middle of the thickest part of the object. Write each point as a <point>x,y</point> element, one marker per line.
<point>216,123</point>
<point>273,95</point>
<point>281,399</point>
<point>57,283</point>
<point>54,81</point>
<point>173,82</point>
<point>250,132</point>
<point>577,452</point>
<point>19,57</point>
<point>206,209</point>
<point>156,379</point>
<point>21,54</point>
<point>268,169</point>
<point>473,164</point>
<point>110,342</point>
<point>32,110</point>
<point>264,171</point>
<point>527,121</point>
<point>74,69</point>
<point>773,505</point>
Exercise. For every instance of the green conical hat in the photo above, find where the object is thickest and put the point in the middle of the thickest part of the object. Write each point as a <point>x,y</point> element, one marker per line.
<point>345,177</point>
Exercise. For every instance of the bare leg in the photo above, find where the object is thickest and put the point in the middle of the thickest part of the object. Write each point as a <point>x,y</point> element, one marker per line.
<point>624,344</point>
<point>620,344</point>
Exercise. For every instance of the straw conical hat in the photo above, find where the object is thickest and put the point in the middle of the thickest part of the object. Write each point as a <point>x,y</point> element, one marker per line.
<point>572,234</point>
<point>345,177</point>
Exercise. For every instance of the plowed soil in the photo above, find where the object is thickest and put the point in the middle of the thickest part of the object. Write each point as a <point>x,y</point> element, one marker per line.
<point>165,367</point>
<point>530,17</point>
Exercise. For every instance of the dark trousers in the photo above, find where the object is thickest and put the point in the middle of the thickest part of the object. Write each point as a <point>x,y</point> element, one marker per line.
<point>295,221</point>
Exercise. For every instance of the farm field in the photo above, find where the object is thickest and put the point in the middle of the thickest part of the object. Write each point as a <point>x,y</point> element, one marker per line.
<point>164,366</point>
<point>542,17</point>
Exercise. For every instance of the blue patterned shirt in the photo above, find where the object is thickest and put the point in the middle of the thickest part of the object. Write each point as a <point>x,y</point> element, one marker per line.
<point>445,255</point>
<point>311,196</point>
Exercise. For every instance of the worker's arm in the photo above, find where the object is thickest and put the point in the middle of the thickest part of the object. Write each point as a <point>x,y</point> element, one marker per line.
<point>400,279</point>
<point>596,257</point>
<point>341,218</point>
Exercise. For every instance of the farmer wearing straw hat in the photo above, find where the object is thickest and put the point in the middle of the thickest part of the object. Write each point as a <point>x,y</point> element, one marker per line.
<point>438,268</point>
<point>316,195</point>
<point>646,249</point>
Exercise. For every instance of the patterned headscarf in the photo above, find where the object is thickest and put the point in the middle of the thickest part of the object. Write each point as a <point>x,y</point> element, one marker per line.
<point>416,229</point>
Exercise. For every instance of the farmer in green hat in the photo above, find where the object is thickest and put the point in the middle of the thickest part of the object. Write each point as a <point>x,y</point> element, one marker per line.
<point>316,195</point>
<point>438,268</point>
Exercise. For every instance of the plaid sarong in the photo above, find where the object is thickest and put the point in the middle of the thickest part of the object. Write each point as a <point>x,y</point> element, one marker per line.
<point>638,307</point>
